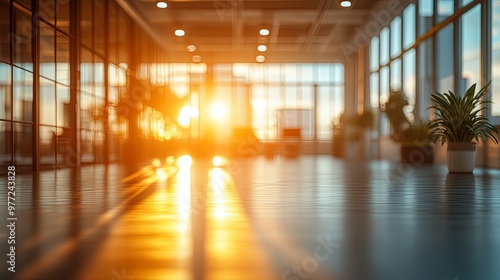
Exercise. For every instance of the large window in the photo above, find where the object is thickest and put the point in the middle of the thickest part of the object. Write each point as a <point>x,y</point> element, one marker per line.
<point>294,96</point>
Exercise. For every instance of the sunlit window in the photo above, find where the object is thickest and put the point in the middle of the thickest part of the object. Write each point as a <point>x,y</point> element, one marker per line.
<point>471,48</point>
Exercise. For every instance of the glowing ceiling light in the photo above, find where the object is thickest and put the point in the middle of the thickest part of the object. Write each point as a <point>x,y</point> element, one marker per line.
<point>179,32</point>
<point>262,48</point>
<point>345,4</point>
<point>191,48</point>
<point>161,5</point>
<point>264,32</point>
<point>260,58</point>
<point>196,58</point>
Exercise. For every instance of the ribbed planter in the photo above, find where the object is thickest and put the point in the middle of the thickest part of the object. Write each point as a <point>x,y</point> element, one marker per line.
<point>461,157</point>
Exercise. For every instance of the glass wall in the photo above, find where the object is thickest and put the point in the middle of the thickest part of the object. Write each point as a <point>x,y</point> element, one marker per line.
<point>305,96</point>
<point>432,59</point>
<point>38,92</point>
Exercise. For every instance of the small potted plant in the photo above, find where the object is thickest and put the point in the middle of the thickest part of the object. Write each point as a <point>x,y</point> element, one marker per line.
<point>394,109</point>
<point>416,148</point>
<point>460,120</point>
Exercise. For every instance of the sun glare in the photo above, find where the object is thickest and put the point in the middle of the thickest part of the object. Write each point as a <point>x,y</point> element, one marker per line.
<point>218,111</point>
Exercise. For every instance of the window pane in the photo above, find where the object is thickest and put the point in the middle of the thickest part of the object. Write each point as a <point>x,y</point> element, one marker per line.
<point>47,52</point>
<point>471,48</point>
<point>23,144</point>
<point>374,97</point>
<point>5,88</point>
<point>409,26</point>
<point>338,77</point>
<point>112,32</point>
<point>445,9</point>
<point>324,72</point>
<point>425,77</point>
<point>63,106</point>
<point>47,102</point>
<point>464,2</point>
<point>495,50</point>
<point>4,29</point>
<point>47,146</point>
<point>374,54</point>
<point>396,74</point>
<point>409,77</point>
<point>22,39</point>
<point>5,143</point>
<point>425,12</point>
<point>47,11</point>
<point>396,37</point>
<point>123,39</point>
<point>384,95</point>
<point>384,46</point>
<point>86,71</point>
<point>62,66</point>
<point>23,95</point>
<point>63,14</point>
<point>86,23</point>
<point>99,26</point>
<point>444,60</point>
<point>307,73</point>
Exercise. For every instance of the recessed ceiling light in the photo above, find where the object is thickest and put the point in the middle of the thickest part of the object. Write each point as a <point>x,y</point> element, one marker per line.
<point>345,4</point>
<point>191,48</point>
<point>260,58</point>
<point>262,48</point>
<point>264,32</point>
<point>161,5</point>
<point>196,58</point>
<point>180,32</point>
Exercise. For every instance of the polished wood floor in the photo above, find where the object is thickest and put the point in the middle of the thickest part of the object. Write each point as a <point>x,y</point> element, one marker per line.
<point>310,217</point>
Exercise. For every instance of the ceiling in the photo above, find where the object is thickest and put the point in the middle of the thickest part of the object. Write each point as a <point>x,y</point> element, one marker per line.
<point>228,30</point>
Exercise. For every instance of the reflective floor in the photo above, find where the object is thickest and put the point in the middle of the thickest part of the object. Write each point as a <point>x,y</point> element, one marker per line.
<point>311,217</point>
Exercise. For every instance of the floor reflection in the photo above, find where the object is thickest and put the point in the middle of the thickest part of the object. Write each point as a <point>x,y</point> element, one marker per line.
<point>310,217</point>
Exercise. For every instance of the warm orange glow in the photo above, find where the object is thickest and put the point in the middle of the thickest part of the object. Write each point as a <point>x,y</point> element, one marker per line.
<point>156,163</point>
<point>161,175</point>
<point>184,118</point>
<point>219,161</point>
<point>186,114</point>
<point>170,160</point>
<point>184,162</point>
<point>218,111</point>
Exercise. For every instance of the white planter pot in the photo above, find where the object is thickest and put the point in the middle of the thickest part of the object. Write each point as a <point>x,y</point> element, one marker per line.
<point>461,157</point>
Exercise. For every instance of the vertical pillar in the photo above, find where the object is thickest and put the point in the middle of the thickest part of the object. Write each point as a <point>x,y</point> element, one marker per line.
<point>74,155</point>
<point>35,45</point>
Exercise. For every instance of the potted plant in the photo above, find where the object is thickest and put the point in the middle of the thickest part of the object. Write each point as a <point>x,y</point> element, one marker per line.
<point>394,109</point>
<point>416,148</point>
<point>460,120</point>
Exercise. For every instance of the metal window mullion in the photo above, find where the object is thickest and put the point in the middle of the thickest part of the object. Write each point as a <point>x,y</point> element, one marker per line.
<point>35,45</point>
<point>457,49</point>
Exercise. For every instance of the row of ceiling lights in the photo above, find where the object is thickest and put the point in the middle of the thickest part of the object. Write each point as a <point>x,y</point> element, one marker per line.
<point>262,32</point>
